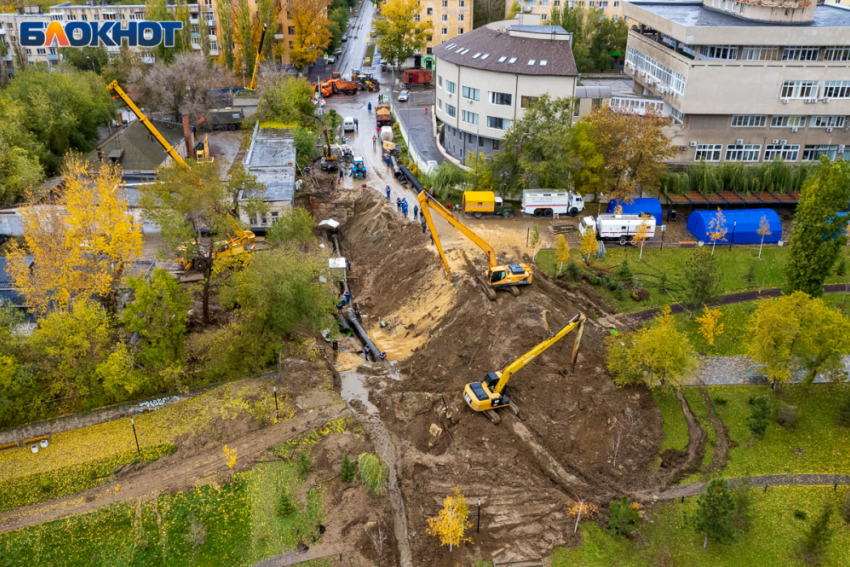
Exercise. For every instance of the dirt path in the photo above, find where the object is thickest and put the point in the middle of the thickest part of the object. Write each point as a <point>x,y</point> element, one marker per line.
<point>697,488</point>
<point>740,297</point>
<point>170,474</point>
<point>721,450</point>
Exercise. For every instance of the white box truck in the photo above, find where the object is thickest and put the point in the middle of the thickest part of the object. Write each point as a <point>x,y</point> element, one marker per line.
<point>546,202</point>
<point>621,228</point>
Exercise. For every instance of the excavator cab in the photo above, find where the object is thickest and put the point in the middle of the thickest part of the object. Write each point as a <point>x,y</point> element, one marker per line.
<point>481,396</point>
<point>510,275</point>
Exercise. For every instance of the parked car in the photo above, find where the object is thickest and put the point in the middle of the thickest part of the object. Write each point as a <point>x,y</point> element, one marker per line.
<point>331,59</point>
<point>338,51</point>
<point>403,96</point>
<point>345,37</point>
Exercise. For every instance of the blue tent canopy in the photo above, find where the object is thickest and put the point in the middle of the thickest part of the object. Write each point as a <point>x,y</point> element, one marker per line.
<point>743,223</point>
<point>639,207</point>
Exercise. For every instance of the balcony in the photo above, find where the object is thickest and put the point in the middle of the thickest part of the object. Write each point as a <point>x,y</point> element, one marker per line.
<point>663,41</point>
<point>211,23</point>
<point>53,57</point>
<point>213,52</point>
<point>193,20</point>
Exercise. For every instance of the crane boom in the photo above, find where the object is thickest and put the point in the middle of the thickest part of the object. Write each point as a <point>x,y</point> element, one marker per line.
<point>428,203</point>
<point>253,85</point>
<point>113,86</point>
<point>519,363</point>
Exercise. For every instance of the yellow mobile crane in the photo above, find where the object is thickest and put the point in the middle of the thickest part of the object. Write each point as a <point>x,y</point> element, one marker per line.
<point>508,276</point>
<point>241,240</point>
<point>488,394</point>
<point>253,85</point>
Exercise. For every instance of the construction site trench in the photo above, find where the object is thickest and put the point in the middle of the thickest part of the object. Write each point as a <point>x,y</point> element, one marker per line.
<point>578,436</point>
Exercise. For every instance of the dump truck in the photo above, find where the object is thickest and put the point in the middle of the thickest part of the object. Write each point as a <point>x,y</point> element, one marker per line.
<point>384,115</point>
<point>223,118</point>
<point>335,87</point>
<point>480,203</point>
<point>619,228</point>
<point>417,76</point>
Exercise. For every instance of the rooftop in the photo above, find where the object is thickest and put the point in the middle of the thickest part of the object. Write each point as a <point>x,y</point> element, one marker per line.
<point>694,14</point>
<point>136,148</point>
<point>493,50</point>
<point>543,30</point>
<point>619,87</point>
<point>271,159</point>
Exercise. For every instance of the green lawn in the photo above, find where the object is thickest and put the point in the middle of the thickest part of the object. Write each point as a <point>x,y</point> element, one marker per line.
<point>733,265</point>
<point>667,540</point>
<point>235,524</point>
<point>673,422</point>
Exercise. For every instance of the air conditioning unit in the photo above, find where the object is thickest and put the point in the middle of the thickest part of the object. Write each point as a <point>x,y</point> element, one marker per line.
<point>774,142</point>
<point>693,144</point>
<point>739,142</point>
<point>810,100</point>
<point>783,142</point>
<point>642,73</point>
<point>683,148</point>
<point>829,129</point>
<point>794,130</point>
<point>784,101</point>
<point>662,90</point>
<point>824,99</point>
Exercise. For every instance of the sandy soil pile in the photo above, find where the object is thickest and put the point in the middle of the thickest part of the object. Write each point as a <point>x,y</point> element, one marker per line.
<point>451,334</point>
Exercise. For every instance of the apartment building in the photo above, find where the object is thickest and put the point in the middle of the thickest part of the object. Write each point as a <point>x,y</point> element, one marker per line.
<point>746,81</point>
<point>9,33</point>
<point>449,19</point>
<point>488,77</point>
<point>610,8</point>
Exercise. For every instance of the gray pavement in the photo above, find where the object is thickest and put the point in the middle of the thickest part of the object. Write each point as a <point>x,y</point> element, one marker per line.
<point>697,488</point>
<point>741,371</point>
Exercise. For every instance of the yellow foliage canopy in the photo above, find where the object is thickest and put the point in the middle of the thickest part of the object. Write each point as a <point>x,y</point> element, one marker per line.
<point>709,324</point>
<point>312,32</point>
<point>589,244</point>
<point>453,521</point>
<point>82,246</point>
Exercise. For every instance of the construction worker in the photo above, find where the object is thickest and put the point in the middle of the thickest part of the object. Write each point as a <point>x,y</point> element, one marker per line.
<point>383,355</point>
<point>356,125</point>
<point>388,192</point>
<point>398,204</point>
<point>370,107</point>
<point>366,351</point>
<point>374,139</point>
<point>415,212</point>
<point>404,207</point>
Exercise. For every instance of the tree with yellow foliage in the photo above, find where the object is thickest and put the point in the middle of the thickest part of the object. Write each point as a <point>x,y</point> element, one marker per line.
<point>563,251</point>
<point>452,522</point>
<point>764,230</point>
<point>82,246</point>
<point>312,31</point>
<point>710,326</point>
<point>230,456</point>
<point>642,235</point>
<point>589,244</point>
<point>582,509</point>
<point>717,229</point>
<point>399,34</point>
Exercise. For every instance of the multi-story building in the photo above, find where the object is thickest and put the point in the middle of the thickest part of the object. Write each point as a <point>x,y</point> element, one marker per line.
<point>449,19</point>
<point>10,25</point>
<point>488,77</point>
<point>746,81</point>
<point>610,8</point>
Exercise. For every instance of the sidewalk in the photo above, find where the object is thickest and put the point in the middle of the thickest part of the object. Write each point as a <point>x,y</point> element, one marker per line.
<point>418,125</point>
<point>742,371</point>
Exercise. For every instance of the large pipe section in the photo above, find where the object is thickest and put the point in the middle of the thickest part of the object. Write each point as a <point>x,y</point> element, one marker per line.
<point>361,333</point>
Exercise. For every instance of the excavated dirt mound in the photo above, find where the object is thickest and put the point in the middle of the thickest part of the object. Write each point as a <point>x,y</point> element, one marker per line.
<point>445,334</point>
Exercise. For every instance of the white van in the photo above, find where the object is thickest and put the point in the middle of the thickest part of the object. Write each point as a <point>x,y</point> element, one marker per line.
<point>348,124</point>
<point>546,202</point>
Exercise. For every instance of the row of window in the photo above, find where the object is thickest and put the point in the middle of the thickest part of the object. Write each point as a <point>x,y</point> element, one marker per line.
<point>656,70</point>
<point>751,152</point>
<point>787,121</point>
<point>807,89</point>
<point>470,141</point>
<point>472,117</point>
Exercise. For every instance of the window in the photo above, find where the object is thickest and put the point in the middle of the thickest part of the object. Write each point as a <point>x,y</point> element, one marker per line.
<point>788,121</point>
<point>451,87</point>
<point>485,56</point>
<point>451,110</point>
<point>787,152</point>
<point>603,4</point>
<point>656,70</point>
<point>800,54</point>
<point>439,80</point>
<point>445,4</point>
<point>54,51</point>
<point>291,30</point>
<point>469,117</point>
<point>525,101</point>
<point>836,54</point>
<point>498,123</point>
<point>416,18</point>
<point>827,122</point>
<point>495,145</point>
<point>543,17</point>
<point>616,17</point>
<point>41,51</point>
<point>512,60</point>
<point>471,94</point>
<point>71,17</point>
<point>616,4</point>
<point>836,89</point>
<point>743,152</point>
<point>503,99</point>
<point>440,103</point>
<point>213,45</point>
<point>445,17</point>
<point>636,105</point>
<point>811,153</point>
<point>429,11</point>
<point>84,18</point>
<point>544,62</point>
<point>462,3</point>
<point>799,89</point>
<point>708,152</point>
<point>445,31</point>
<point>531,62</point>
<point>557,3</point>
<point>760,54</point>
<point>468,138</point>
<point>677,115</point>
<point>460,17</point>
<point>724,52</point>
<point>460,31</point>
<point>502,58</point>
<point>749,121</point>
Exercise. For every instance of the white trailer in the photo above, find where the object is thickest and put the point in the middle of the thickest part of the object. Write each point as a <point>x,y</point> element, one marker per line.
<point>621,228</point>
<point>546,202</point>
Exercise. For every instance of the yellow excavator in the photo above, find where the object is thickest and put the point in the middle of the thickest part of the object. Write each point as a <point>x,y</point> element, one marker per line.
<point>488,395</point>
<point>508,277</point>
<point>240,240</point>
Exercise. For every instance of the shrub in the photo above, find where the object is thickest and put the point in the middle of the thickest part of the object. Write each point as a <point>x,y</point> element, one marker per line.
<point>284,507</point>
<point>841,269</point>
<point>759,418</point>
<point>623,516</point>
<point>844,412</point>
<point>663,283</point>
<point>373,472</point>
<point>614,285</point>
<point>750,276</point>
<point>346,473</point>
<point>816,539</point>
<point>801,515</point>
<point>572,271</point>
<point>596,280</point>
<point>625,273</point>
<point>305,465</point>
<point>787,416</point>
<point>45,484</point>
<point>720,401</point>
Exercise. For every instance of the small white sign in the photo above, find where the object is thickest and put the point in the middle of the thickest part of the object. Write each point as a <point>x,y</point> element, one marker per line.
<point>336,263</point>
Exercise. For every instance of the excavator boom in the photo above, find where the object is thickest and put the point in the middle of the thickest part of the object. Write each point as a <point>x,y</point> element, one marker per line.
<point>113,86</point>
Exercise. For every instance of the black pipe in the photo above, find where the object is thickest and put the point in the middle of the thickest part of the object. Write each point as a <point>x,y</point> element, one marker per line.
<point>412,179</point>
<point>361,333</point>
<point>344,327</point>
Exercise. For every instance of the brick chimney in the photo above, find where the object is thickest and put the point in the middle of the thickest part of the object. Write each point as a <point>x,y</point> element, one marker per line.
<point>187,133</point>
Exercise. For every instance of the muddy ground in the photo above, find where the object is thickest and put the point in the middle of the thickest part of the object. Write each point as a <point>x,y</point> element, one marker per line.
<point>442,333</point>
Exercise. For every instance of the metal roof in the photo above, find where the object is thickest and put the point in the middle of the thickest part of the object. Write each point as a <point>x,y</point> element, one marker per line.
<point>271,159</point>
<point>695,14</point>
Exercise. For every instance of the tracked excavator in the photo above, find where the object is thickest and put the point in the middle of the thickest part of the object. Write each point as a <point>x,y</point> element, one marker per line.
<point>488,395</point>
<point>239,239</point>
<point>509,276</point>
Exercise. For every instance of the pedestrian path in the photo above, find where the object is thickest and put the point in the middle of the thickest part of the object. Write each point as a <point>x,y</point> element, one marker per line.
<point>741,371</point>
<point>698,488</point>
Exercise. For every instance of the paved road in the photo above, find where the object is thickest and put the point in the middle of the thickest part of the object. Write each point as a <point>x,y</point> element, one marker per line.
<point>697,488</point>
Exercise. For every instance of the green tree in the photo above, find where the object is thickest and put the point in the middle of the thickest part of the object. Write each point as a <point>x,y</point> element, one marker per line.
<point>796,332</point>
<point>159,11</point>
<point>759,417</point>
<point>818,234</point>
<point>158,313</point>
<point>294,227</point>
<point>480,175</point>
<point>447,176</point>
<point>304,464</point>
<point>121,66</point>
<point>347,469</point>
<point>86,58</point>
<point>305,146</point>
<point>373,472</point>
<point>339,17</point>
<point>20,169</point>
<point>623,516</point>
<point>285,507</point>
<point>534,240</point>
<point>399,34</point>
<point>817,537</point>
<point>515,8</point>
<point>610,37</point>
<point>287,101</point>
<point>243,25</point>
<point>227,46</point>
<point>700,278</point>
<point>657,356</point>
<point>715,511</point>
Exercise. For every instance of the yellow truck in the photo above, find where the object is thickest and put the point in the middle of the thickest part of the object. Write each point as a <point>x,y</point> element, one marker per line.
<point>480,203</point>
